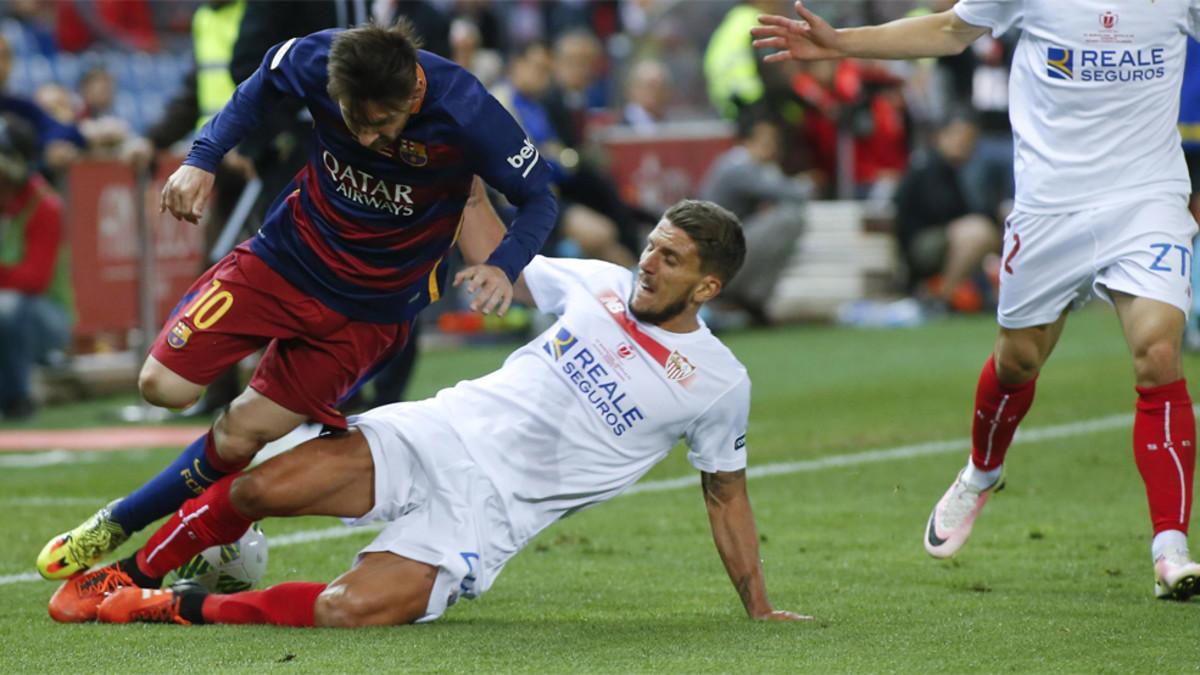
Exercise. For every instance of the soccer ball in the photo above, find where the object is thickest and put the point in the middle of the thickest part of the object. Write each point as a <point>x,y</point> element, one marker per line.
<point>230,568</point>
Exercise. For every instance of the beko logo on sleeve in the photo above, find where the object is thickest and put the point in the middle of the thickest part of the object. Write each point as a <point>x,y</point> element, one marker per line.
<point>527,157</point>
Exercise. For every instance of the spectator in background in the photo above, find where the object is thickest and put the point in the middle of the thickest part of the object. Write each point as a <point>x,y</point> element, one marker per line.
<point>942,240</point>
<point>58,144</point>
<point>467,50</point>
<point>734,71</point>
<point>978,79</point>
<point>748,180</point>
<point>487,19</point>
<point>585,229</point>
<point>35,291</point>
<point>647,95</point>
<point>576,88</point>
<point>58,102</point>
<point>106,133</point>
<point>575,96</point>
<point>98,91</point>
<point>862,100</point>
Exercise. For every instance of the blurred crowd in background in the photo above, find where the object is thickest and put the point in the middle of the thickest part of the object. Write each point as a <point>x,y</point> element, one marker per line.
<point>927,143</point>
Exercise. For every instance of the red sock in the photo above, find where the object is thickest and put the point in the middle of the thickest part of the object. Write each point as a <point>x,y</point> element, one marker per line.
<point>290,604</point>
<point>207,520</point>
<point>1164,446</point>
<point>999,408</point>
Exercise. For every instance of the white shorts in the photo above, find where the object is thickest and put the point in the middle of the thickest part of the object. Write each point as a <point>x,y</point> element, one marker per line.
<point>1052,262</point>
<point>440,507</point>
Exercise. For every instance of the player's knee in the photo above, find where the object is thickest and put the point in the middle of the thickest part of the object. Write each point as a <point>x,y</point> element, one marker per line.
<point>1157,362</point>
<point>162,388</point>
<point>1017,366</point>
<point>253,495</point>
<point>343,606</point>
<point>238,439</point>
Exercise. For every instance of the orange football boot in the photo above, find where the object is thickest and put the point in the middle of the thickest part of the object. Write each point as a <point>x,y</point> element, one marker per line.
<point>151,605</point>
<point>79,598</point>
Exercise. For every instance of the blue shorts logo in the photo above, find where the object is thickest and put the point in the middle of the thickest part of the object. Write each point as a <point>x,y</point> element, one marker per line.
<point>560,344</point>
<point>1060,63</point>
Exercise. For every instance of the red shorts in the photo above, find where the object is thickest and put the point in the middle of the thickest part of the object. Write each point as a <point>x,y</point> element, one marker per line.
<point>314,355</point>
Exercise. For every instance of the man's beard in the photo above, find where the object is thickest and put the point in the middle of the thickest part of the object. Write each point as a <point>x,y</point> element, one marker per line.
<point>657,318</point>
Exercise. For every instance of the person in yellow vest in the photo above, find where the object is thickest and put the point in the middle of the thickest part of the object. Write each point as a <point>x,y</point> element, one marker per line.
<point>205,91</point>
<point>208,85</point>
<point>35,292</point>
<point>734,72</point>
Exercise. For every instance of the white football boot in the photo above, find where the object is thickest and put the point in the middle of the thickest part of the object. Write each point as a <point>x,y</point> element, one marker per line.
<point>1176,575</point>
<point>954,515</point>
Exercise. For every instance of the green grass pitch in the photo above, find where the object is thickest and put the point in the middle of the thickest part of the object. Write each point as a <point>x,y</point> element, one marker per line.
<point>1057,576</point>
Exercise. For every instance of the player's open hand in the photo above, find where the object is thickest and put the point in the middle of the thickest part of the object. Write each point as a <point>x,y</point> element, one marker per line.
<point>490,287</point>
<point>810,38</point>
<point>781,615</point>
<point>186,193</point>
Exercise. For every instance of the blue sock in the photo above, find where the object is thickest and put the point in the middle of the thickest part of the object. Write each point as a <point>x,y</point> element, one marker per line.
<point>189,475</point>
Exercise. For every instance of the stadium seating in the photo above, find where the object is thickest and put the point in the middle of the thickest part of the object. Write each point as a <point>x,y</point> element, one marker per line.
<point>145,82</point>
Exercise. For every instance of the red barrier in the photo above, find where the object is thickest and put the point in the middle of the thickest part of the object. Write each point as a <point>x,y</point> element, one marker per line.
<point>657,171</point>
<point>103,239</point>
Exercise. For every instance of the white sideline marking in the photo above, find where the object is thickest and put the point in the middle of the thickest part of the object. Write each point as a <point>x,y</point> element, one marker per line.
<point>19,578</point>
<point>778,469</point>
<point>54,501</point>
<point>900,452</point>
<point>37,460</point>
<point>309,536</point>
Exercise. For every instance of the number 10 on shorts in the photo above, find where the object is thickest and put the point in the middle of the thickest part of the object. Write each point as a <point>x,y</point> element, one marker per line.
<point>210,307</point>
<point>1165,257</point>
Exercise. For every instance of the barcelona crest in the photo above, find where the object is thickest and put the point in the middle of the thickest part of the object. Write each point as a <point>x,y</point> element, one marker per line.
<point>412,152</point>
<point>179,335</point>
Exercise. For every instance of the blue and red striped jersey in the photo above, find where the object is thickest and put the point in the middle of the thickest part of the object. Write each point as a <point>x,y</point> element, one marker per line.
<point>365,231</point>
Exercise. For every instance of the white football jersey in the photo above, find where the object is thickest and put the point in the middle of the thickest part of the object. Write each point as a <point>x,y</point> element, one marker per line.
<point>576,416</point>
<point>1094,97</point>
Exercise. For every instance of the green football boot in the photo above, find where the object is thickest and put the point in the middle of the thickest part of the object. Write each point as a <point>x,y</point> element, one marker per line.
<point>73,552</point>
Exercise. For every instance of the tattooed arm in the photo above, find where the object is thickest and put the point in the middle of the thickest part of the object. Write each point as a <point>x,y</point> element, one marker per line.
<point>736,538</point>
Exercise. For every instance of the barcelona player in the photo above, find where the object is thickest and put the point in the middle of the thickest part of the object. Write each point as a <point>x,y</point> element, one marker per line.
<point>1101,210</point>
<point>347,256</point>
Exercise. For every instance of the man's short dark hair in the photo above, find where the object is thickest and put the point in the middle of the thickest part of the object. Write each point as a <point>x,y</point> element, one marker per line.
<point>717,233</point>
<point>373,63</point>
<point>750,116</point>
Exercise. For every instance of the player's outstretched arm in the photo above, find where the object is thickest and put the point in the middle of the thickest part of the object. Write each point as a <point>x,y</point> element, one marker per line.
<point>736,537</point>
<point>811,38</point>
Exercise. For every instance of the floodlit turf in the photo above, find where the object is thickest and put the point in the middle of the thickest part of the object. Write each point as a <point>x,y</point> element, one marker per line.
<point>1056,578</point>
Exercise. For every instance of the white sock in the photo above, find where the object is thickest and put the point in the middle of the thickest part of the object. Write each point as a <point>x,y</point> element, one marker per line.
<point>980,479</point>
<point>1167,540</point>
